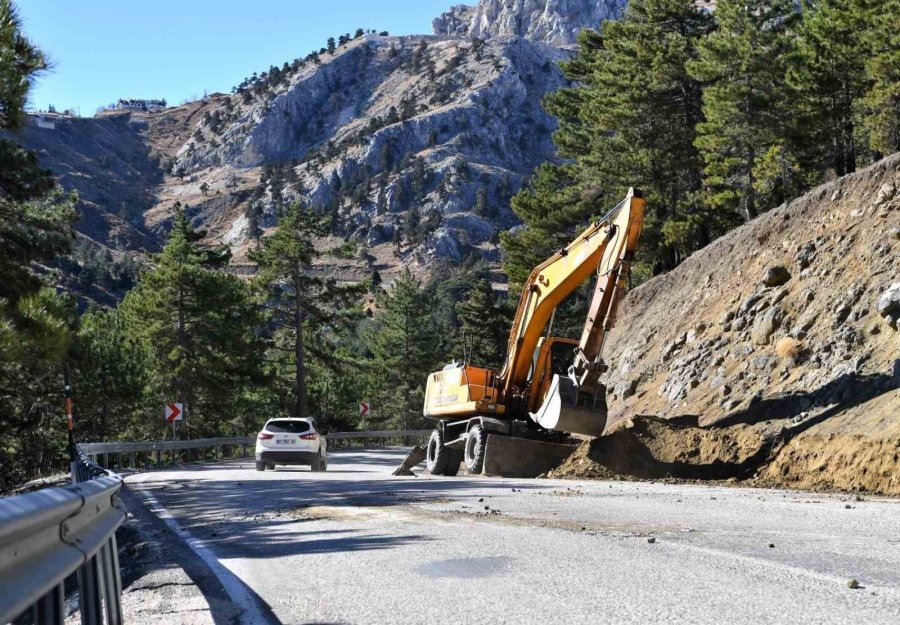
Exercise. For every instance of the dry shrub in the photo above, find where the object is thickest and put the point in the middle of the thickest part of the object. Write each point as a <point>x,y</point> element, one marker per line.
<point>789,350</point>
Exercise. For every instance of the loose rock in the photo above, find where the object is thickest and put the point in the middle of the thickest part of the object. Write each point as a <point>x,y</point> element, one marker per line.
<point>776,276</point>
<point>765,327</point>
<point>889,302</point>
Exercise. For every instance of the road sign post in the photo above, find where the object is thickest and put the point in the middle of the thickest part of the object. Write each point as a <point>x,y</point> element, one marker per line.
<point>364,409</point>
<point>173,413</point>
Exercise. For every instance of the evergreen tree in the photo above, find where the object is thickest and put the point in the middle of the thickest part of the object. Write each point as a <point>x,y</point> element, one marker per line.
<point>749,161</point>
<point>629,120</point>
<point>110,373</point>
<point>197,324</point>
<point>483,327</point>
<point>882,101</point>
<point>551,210</point>
<point>35,322</point>
<point>406,344</point>
<point>299,303</point>
<point>828,73</point>
<point>331,45</point>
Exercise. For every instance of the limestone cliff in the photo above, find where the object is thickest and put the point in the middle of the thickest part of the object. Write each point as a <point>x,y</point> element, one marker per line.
<point>555,22</point>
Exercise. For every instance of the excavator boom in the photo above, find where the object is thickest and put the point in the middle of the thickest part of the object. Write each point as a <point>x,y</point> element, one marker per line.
<point>575,403</point>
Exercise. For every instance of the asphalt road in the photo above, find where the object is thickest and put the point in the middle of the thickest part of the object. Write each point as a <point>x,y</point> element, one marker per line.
<point>355,545</point>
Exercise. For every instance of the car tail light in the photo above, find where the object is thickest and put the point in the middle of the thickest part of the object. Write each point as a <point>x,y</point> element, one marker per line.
<point>265,437</point>
<point>309,437</point>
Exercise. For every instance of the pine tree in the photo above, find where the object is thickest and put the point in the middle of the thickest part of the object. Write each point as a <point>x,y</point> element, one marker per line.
<point>299,303</point>
<point>110,372</point>
<point>484,328</point>
<point>629,120</point>
<point>551,210</point>
<point>406,345</point>
<point>882,101</point>
<point>35,322</point>
<point>828,73</point>
<point>197,323</point>
<point>747,104</point>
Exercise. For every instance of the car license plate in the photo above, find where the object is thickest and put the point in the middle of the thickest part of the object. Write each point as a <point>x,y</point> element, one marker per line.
<point>285,441</point>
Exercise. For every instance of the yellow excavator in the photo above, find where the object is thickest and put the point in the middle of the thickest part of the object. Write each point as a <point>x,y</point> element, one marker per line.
<point>549,387</point>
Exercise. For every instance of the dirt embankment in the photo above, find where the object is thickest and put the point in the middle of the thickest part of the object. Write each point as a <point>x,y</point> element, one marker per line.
<point>652,448</point>
<point>785,327</point>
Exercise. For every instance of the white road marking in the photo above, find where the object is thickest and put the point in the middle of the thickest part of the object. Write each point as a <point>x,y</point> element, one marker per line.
<point>236,589</point>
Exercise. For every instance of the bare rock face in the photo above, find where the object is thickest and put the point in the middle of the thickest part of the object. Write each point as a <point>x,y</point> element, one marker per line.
<point>555,22</point>
<point>455,22</point>
<point>448,127</point>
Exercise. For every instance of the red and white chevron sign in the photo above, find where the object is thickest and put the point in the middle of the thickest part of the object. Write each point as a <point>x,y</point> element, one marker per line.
<point>364,408</point>
<point>174,412</point>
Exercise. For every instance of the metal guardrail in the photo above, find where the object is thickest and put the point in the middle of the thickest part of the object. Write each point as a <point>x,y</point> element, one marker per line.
<point>48,535</point>
<point>182,450</point>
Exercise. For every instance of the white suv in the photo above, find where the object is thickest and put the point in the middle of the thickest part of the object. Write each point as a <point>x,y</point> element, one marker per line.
<point>291,441</point>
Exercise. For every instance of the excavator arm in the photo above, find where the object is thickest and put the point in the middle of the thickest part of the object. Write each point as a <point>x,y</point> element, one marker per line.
<point>575,403</point>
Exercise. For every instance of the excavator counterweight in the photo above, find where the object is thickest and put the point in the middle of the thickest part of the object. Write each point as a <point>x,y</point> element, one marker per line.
<point>549,387</point>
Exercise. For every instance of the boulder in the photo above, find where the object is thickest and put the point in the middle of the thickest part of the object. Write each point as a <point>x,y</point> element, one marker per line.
<point>889,302</point>
<point>885,193</point>
<point>776,275</point>
<point>765,326</point>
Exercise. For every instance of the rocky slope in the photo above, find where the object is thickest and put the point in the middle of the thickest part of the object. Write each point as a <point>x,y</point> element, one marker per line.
<point>113,169</point>
<point>556,22</point>
<point>388,125</point>
<point>788,324</point>
<point>425,136</point>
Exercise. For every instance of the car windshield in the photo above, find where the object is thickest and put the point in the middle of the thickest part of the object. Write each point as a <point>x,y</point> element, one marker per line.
<point>288,427</point>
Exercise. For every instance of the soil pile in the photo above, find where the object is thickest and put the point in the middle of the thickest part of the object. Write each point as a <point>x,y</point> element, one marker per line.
<point>789,323</point>
<point>652,448</point>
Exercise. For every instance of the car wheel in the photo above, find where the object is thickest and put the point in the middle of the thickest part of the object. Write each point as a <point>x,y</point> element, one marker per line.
<point>437,456</point>
<point>316,464</point>
<point>476,442</point>
<point>260,466</point>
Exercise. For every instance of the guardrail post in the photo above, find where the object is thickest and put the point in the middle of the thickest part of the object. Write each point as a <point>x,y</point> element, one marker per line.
<point>89,592</point>
<point>133,465</point>
<point>51,608</point>
<point>112,582</point>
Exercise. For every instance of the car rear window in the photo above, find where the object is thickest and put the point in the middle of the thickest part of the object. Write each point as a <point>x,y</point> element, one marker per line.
<point>288,427</point>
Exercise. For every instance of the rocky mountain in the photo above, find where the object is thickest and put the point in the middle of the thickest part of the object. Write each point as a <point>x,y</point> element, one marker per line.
<point>443,128</point>
<point>413,144</point>
<point>556,22</point>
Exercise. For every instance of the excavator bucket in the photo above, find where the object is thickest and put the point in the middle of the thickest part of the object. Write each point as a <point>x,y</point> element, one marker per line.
<point>566,408</point>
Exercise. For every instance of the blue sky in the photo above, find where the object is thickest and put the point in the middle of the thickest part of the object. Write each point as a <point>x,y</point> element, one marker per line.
<point>103,50</point>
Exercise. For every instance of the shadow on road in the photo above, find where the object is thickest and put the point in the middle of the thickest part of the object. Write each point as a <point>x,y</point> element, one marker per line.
<point>263,517</point>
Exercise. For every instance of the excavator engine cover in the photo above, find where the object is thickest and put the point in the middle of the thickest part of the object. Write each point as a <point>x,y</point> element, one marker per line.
<point>567,408</point>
